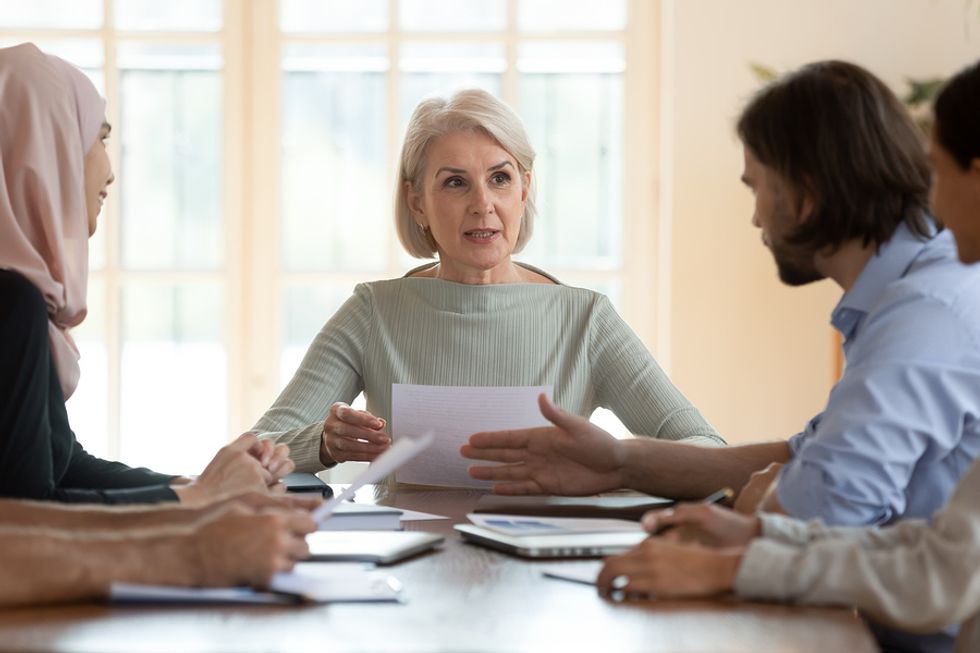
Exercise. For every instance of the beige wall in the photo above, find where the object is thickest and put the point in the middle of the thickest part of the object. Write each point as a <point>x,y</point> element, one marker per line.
<point>754,356</point>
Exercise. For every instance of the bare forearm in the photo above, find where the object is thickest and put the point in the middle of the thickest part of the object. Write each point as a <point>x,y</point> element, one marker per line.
<point>48,566</point>
<point>92,517</point>
<point>683,471</point>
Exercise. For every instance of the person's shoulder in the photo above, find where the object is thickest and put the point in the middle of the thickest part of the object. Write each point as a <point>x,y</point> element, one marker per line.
<point>939,282</point>
<point>20,298</point>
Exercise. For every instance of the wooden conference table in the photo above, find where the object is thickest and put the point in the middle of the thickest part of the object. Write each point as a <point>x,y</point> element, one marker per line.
<point>461,598</point>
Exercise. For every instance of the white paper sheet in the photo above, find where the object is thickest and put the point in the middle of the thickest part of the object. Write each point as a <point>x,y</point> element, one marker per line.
<point>337,582</point>
<point>400,452</point>
<point>531,525</point>
<point>415,515</point>
<point>453,414</point>
<point>314,582</point>
<point>139,593</point>
<point>577,572</point>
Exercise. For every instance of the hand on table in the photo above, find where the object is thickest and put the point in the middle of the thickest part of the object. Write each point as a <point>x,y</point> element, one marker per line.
<point>351,434</point>
<point>660,568</point>
<point>234,470</point>
<point>760,484</point>
<point>574,457</point>
<point>273,457</point>
<point>244,546</point>
<point>706,524</point>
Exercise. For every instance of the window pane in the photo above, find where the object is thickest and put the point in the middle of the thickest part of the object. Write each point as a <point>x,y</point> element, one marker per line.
<point>453,15</point>
<point>88,407</point>
<point>60,14</point>
<point>333,15</point>
<point>575,120</point>
<point>336,200</point>
<point>187,15</point>
<point>173,397</point>
<point>170,176</point>
<point>308,307</point>
<point>442,68</point>
<point>547,15</point>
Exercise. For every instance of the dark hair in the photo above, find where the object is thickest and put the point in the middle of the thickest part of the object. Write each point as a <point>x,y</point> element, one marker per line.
<point>834,130</point>
<point>957,109</point>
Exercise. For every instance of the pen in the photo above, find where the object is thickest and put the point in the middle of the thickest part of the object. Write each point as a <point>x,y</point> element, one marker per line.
<point>723,494</point>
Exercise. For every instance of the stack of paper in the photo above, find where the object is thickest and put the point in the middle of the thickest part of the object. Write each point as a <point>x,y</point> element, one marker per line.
<point>362,517</point>
<point>308,582</point>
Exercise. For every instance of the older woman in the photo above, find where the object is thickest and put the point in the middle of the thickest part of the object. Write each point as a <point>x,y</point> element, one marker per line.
<point>56,173</point>
<point>915,575</point>
<point>475,317</point>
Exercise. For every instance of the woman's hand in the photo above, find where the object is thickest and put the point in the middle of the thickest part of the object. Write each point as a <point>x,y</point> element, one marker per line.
<point>351,434</point>
<point>273,457</point>
<point>703,523</point>
<point>234,470</point>
<point>658,568</point>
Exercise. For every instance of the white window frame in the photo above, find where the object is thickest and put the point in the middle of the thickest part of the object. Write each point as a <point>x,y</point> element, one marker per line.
<point>253,277</point>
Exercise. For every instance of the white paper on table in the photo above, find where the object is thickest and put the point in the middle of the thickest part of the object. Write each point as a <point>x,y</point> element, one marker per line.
<point>141,593</point>
<point>578,572</point>
<point>415,515</point>
<point>400,452</point>
<point>532,525</point>
<point>453,414</point>
<point>337,583</point>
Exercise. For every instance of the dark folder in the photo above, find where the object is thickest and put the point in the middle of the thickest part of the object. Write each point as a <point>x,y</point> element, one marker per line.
<point>300,482</point>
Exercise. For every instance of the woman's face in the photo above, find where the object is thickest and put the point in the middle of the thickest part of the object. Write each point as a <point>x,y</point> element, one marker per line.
<point>472,199</point>
<point>98,176</point>
<point>955,200</point>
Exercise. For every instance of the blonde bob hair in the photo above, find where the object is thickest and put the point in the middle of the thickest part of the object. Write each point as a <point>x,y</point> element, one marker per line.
<point>471,110</point>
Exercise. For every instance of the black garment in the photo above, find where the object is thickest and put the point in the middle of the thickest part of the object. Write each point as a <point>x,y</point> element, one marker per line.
<point>39,455</point>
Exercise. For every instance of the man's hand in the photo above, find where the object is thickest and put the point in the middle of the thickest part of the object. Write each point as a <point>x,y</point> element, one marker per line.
<point>658,568</point>
<point>706,524</point>
<point>243,546</point>
<point>754,493</point>
<point>574,457</point>
<point>233,470</point>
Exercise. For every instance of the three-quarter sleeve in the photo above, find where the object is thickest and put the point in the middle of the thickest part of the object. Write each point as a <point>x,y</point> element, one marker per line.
<point>331,371</point>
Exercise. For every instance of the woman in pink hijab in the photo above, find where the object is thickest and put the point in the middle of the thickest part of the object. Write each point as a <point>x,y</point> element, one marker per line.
<point>54,176</point>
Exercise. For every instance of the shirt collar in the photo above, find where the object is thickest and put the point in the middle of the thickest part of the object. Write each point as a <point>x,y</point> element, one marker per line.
<point>890,264</point>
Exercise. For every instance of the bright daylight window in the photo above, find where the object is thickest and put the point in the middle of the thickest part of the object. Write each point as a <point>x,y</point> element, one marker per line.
<point>202,303</point>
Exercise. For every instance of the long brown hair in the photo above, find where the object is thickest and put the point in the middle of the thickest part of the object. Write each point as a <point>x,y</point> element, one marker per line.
<point>835,131</point>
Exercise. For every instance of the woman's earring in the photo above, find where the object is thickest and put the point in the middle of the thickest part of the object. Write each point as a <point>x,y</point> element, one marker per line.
<point>423,228</point>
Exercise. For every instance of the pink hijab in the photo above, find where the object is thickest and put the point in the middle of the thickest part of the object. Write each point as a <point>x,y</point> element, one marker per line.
<point>50,115</point>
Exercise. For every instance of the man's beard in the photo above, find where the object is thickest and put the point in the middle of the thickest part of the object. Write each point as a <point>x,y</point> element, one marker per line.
<point>794,264</point>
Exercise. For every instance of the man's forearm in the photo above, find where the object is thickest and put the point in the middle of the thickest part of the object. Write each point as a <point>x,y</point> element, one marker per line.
<point>48,566</point>
<point>683,471</point>
<point>17,512</point>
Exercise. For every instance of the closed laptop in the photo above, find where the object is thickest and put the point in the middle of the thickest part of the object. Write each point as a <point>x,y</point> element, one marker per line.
<point>565,545</point>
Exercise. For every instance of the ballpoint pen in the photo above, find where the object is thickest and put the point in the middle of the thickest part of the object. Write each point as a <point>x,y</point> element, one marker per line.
<point>723,494</point>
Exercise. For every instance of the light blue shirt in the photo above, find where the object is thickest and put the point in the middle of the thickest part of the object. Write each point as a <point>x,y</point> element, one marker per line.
<point>903,423</point>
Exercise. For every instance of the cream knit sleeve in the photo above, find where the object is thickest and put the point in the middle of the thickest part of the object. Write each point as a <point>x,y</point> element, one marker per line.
<point>914,576</point>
